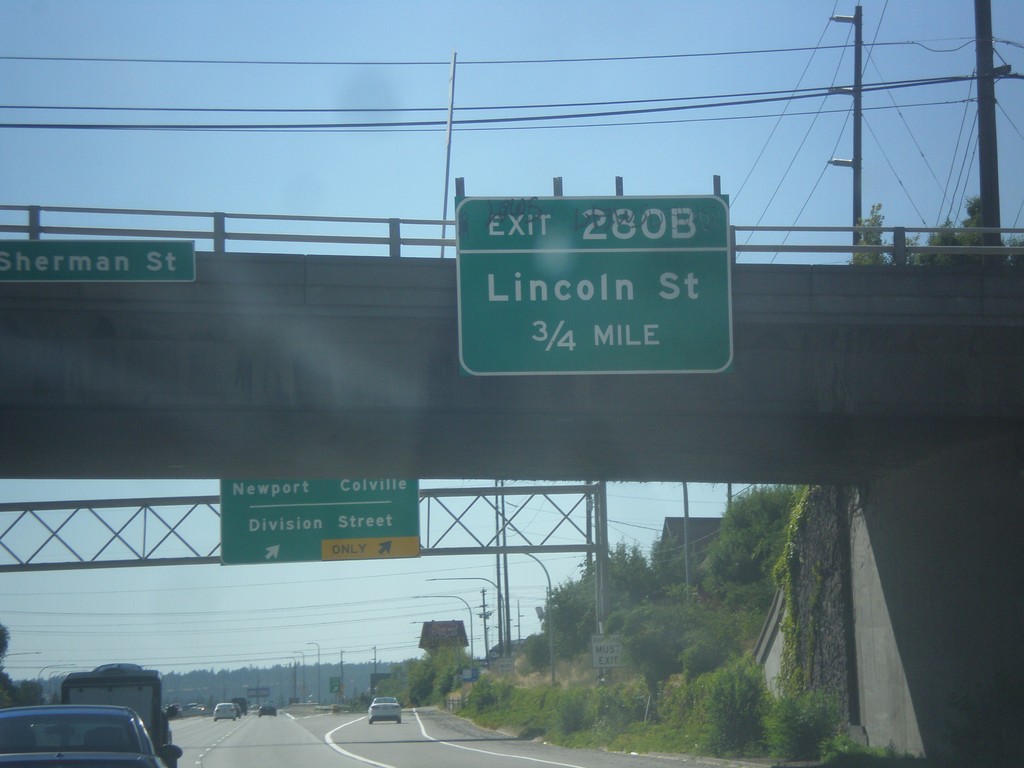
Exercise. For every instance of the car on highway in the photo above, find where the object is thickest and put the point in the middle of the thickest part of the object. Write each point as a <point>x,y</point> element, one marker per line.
<point>81,735</point>
<point>224,711</point>
<point>268,709</point>
<point>385,708</point>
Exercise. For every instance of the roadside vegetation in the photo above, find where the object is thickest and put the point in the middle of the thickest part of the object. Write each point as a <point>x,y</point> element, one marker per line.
<point>971,220</point>
<point>24,693</point>
<point>690,683</point>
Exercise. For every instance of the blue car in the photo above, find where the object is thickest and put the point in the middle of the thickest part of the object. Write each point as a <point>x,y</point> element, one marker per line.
<point>80,735</point>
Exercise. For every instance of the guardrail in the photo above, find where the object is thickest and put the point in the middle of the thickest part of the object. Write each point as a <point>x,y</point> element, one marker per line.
<point>222,233</point>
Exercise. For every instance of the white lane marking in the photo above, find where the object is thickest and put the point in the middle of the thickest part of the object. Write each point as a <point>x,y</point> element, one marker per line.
<point>427,736</point>
<point>345,752</point>
<point>209,749</point>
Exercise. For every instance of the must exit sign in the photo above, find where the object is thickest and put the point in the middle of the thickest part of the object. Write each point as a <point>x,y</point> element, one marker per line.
<point>594,285</point>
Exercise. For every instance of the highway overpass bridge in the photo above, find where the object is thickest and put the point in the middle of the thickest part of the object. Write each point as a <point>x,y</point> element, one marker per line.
<point>298,366</point>
<point>906,383</point>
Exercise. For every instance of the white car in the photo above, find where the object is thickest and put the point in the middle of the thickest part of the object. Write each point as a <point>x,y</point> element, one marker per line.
<point>225,710</point>
<point>385,708</point>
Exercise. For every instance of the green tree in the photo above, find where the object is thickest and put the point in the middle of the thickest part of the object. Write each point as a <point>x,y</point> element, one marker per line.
<point>431,678</point>
<point>630,581</point>
<point>676,630</point>
<point>973,219</point>
<point>875,219</point>
<point>751,537</point>
<point>629,575</point>
<point>537,652</point>
<point>420,681</point>
<point>654,638</point>
<point>573,616</point>
<point>6,686</point>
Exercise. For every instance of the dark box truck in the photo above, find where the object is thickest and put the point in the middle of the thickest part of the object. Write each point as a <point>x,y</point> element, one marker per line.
<point>125,685</point>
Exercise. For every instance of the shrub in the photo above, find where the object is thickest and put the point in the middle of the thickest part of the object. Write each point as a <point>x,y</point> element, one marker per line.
<point>573,711</point>
<point>619,706</point>
<point>536,651</point>
<point>678,701</point>
<point>490,693</point>
<point>734,702</point>
<point>798,726</point>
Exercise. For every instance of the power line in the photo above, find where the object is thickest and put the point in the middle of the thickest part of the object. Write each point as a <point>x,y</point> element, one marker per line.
<point>778,122</point>
<point>796,153</point>
<point>465,122</point>
<point>680,121</point>
<point>820,90</point>
<point>885,156</point>
<point>468,62</point>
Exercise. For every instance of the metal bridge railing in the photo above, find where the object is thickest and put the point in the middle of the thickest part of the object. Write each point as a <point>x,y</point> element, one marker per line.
<point>222,233</point>
<point>835,244</point>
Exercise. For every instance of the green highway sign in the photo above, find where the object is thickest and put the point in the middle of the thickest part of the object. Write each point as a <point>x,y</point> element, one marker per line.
<point>93,261</point>
<point>563,285</point>
<point>290,521</point>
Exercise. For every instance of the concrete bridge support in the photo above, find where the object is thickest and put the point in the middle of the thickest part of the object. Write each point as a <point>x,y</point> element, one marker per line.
<point>937,569</point>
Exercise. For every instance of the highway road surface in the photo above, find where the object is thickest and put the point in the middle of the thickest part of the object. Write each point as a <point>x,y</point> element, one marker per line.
<point>426,738</point>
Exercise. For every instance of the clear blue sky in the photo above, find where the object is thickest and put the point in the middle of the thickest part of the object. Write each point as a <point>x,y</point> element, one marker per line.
<point>316,65</point>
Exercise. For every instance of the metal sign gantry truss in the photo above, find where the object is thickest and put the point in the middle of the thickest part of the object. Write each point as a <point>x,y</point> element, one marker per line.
<point>185,530</point>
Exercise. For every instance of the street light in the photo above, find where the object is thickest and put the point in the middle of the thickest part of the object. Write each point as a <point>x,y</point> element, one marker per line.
<point>317,671</point>
<point>54,698</point>
<point>551,624</point>
<point>469,609</point>
<point>502,633</point>
<point>48,684</point>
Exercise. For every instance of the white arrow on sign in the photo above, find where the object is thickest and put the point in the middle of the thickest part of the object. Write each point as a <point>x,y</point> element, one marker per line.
<point>272,552</point>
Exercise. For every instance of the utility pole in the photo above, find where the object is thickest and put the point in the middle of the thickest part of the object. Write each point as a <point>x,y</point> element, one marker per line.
<point>448,146</point>
<point>600,508</point>
<point>483,615</point>
<point>988,156</point>
<point>317,671</point>
<point>686,536</point>
<point>506,640</point>
<point>858,67</point>
<point>499,530</point>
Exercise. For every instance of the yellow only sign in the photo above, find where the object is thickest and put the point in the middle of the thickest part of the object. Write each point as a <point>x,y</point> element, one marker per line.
<point>370,549</point>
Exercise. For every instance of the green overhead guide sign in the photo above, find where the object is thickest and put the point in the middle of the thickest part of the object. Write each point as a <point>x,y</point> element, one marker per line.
<point>564,285</point>
<point>291,521</point>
